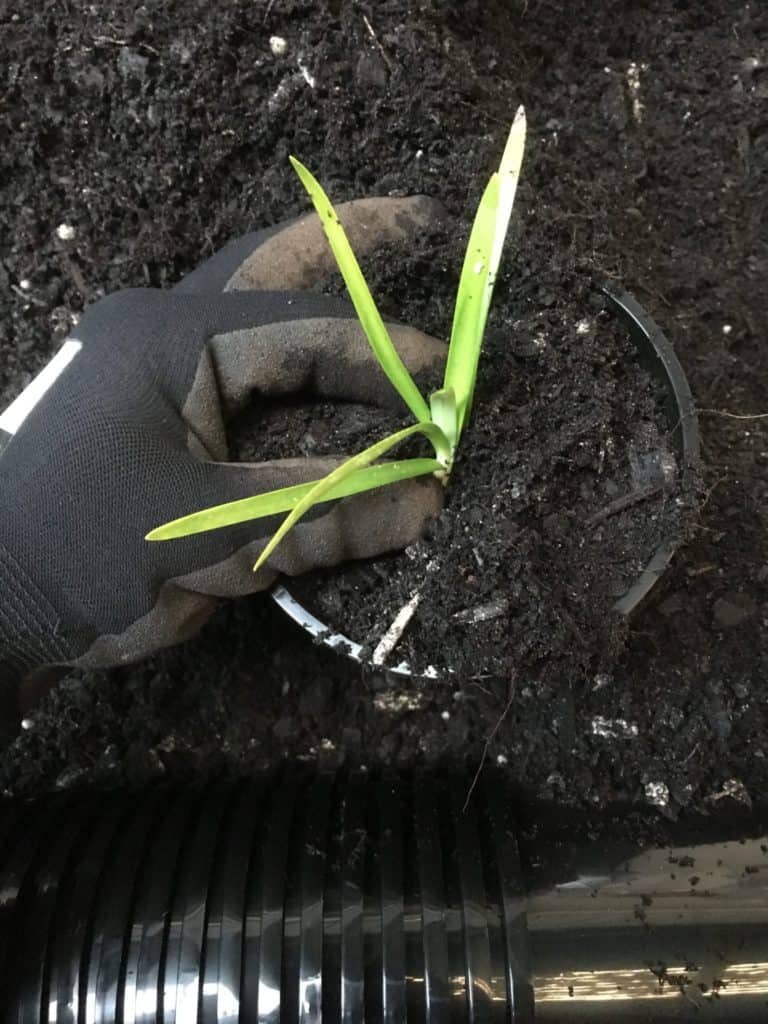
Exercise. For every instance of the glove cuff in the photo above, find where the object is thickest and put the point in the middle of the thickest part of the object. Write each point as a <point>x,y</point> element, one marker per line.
<point>29,624</point>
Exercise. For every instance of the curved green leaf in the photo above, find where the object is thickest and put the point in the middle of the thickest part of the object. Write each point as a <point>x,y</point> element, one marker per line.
<point>365,307</point>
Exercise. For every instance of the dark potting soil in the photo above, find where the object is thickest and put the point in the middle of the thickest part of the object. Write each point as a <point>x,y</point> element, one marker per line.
<point>155,133</point>
<point>565,486</point>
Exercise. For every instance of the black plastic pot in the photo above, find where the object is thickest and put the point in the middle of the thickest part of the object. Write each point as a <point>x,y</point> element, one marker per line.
<point>296,898</point>
<point>658,357</point>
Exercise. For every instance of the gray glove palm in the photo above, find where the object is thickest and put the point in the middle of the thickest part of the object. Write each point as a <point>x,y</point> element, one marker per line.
<point>133,435</point>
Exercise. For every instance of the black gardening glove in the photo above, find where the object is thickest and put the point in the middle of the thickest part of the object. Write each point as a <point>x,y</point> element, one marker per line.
<point>132,435</point>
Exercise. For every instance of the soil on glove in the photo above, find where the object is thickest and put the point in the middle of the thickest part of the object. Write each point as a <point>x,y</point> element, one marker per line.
<point>137,140</point>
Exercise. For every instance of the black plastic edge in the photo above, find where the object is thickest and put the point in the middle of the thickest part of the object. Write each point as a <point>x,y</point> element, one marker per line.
<point>658,357</point>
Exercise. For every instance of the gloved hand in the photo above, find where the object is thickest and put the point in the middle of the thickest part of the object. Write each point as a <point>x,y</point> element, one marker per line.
<point>132,435</point>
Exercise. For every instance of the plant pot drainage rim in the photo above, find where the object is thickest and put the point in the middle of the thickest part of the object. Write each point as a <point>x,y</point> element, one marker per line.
<point>658,357</point>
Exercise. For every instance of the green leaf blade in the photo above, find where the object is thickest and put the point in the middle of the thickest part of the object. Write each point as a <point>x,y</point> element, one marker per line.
<point>286,498</point>
<point>509,175</point>
<point>481,264</point>
<point>442,405</point>
<point>365,307</point>
<point>468,319</point>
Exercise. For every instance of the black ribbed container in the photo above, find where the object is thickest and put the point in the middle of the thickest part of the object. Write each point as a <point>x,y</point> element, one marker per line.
<point>353,898</point>
<point>275,900</point>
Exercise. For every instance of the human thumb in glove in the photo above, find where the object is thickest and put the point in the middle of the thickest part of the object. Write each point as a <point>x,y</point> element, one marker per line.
<point>132,435</point>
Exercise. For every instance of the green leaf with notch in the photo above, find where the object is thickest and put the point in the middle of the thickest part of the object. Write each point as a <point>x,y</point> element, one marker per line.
<point>365,307</point>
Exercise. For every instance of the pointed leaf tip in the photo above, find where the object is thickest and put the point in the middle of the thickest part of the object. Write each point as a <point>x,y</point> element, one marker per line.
<point>365,307</point>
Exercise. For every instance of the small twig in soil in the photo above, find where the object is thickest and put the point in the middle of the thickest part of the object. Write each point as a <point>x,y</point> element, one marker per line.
<point>657,295</point>
<point>571,624</point>
<point>109,40</point>
<point>391,638</point>
<point>114,41</point>
<point>375,38</point>
<point>700,570</point>
<point>483,612</point>
<point>28,297</point>
<point>76,274</point>
<point>483,113</point>
<point>270,5</point>
<point>625,501</point>
<point>709,493</point>
<point>688,756</point>
<point>734,415</point>
<point>488,741</point>
<point>484,689</point>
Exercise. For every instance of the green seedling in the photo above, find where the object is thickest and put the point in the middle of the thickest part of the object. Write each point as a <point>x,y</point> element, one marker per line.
<point>442,418</point>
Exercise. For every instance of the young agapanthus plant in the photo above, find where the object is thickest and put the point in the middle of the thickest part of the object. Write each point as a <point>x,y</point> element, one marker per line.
<point>443,418</point>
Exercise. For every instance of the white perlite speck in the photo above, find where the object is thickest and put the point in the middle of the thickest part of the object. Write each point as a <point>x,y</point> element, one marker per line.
<point>633,84</point>
<point>736,790</point>
<point>392,636</point>
<point>395,702</point>
<point>613,727</point>
<point>277,45</point>
<point>65,232</point>
<point>657,793</point>
<point>484,612</point>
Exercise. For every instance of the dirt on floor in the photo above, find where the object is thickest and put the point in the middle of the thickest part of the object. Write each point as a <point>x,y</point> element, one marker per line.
<point>136,140</point>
